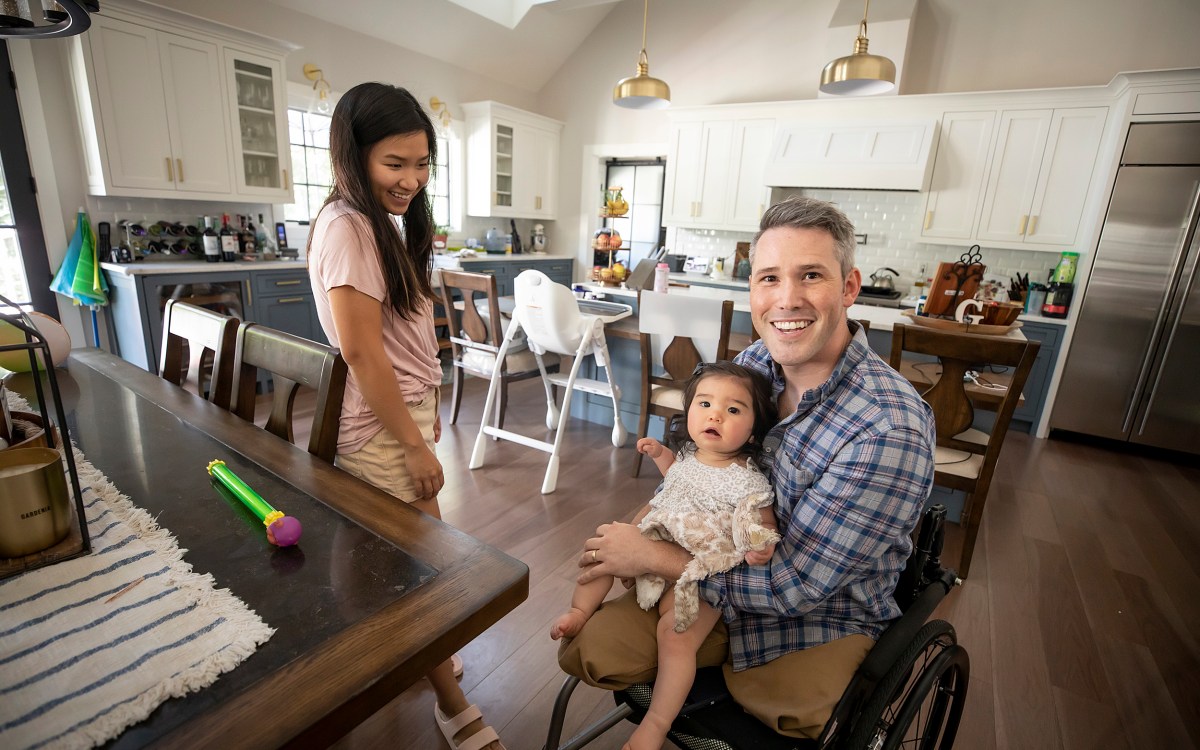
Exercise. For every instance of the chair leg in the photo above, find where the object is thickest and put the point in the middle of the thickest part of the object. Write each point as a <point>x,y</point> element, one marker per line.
<point>974,514</point>
<point>501,406</point>
<point>643,428</point>
<point>455,393</point>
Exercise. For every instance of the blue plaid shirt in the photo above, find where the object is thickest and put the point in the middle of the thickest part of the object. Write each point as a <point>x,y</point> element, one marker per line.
<point>851,468</point>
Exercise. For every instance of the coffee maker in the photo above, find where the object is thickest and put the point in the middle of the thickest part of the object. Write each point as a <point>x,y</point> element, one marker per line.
<point>1058,299</point>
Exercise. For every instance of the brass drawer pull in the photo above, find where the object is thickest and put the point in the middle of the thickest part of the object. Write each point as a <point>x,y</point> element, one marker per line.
<point>292,282</point>
<point>289,300</point>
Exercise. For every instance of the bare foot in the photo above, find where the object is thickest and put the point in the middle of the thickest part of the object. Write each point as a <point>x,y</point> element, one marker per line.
<point>568,625</point>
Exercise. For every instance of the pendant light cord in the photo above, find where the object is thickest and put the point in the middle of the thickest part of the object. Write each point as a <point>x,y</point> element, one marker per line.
<point>645,18</point>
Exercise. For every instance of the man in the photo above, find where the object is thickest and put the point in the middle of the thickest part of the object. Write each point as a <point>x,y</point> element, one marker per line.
<point>851,461</point>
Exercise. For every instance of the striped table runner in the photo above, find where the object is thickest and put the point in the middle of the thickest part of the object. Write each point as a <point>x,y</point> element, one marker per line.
<point>92,645</point>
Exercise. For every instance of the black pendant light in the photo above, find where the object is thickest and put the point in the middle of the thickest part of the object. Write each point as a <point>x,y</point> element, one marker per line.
<point>33,19</point>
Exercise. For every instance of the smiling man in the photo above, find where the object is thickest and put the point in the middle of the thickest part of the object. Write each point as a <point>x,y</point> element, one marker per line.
<point>851,462</point>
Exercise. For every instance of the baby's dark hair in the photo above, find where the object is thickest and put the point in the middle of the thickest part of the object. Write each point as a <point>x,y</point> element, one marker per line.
<point>759,387</point>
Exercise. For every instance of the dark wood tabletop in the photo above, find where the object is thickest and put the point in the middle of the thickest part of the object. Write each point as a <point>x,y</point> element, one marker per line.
<point>373,596</point>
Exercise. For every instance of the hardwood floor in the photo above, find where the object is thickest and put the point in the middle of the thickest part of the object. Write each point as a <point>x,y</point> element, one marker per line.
<point>1081,615</point>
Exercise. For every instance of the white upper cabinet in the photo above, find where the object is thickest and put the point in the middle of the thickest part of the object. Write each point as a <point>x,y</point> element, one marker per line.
<point>512,162</point>
<point>158,111</point>
<point>715,173</point>
<point>156,135</point>
<point>959,167</point>
<point>259,124</point>
<point>1040,175</point>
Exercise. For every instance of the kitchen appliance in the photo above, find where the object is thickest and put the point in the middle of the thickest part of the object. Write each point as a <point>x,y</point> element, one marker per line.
<point>884,280</point>
<point>1136,343</point>
<point>1058,299</point>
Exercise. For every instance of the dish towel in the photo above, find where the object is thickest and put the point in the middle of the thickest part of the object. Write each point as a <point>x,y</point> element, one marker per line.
<point>92,645</point>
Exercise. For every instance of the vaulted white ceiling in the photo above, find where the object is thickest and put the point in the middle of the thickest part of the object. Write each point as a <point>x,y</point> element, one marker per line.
<point>519,42</point>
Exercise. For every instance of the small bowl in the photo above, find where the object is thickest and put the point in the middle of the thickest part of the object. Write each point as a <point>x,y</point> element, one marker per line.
<point>1001,313</point>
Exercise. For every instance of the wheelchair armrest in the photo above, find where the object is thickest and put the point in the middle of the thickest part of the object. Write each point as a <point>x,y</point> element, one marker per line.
<point>902,631</point>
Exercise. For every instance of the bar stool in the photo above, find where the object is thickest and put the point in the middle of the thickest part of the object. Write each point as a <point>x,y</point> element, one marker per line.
<point>554,321</point>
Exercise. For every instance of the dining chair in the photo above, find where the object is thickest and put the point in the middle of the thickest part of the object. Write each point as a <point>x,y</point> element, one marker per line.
<point>676,333</point>
<point>965,457</point>
<point>197,348</point>
<point>292,362</point>
<point>472,306</point>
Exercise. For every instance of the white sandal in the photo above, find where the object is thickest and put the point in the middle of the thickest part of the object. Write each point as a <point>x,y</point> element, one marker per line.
<point>457,664</point>
<point>454,725</point>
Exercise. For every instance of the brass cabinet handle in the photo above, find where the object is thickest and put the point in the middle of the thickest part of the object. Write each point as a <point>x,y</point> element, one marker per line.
<point>170,170</point>
<point>287,185</point>
<point>292,282</point>
<point>249,295</point>
<point>1032,224</point>
<point>1024,221</point>
<point>179,168</point>
<point>289,300</point>
<point>928,218</point>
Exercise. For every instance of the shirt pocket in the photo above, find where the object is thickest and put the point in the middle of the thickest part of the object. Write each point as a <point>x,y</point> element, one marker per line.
<point>790,479</point>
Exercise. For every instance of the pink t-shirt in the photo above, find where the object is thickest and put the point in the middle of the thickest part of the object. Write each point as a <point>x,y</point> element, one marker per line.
<point>343,253</point>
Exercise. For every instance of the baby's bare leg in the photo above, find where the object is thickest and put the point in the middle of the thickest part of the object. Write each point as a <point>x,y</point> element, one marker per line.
<point>676,672</point>
<point>584,602</point>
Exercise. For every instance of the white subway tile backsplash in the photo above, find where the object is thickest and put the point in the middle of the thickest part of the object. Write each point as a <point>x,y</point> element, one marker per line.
<point>892,222</point>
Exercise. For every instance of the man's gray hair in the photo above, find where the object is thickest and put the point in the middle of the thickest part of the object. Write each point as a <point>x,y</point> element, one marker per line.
<point>802,212</point>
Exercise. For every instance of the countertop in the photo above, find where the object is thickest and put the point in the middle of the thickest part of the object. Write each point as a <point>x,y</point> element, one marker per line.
<point>144,268</point>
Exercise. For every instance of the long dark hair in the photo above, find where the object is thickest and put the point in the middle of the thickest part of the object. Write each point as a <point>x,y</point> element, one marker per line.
<point>364,116</point>
<point>759,387</point>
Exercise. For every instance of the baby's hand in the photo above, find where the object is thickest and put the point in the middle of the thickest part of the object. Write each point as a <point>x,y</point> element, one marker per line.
<point>650,447</point>
<point>760,556</point>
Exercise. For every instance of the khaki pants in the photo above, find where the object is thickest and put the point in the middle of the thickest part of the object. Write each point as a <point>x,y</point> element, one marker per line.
<point>794,694</point>
<point>381,461</point>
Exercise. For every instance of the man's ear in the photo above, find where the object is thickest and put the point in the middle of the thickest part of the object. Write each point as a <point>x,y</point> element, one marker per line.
<point>852,286</point>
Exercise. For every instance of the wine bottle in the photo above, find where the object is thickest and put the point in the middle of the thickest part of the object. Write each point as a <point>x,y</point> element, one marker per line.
<point>246,235</point>
<point>210,243</point>
<point>229,241</point>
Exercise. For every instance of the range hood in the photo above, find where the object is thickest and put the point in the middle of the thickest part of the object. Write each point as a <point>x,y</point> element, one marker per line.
<point>855,155</point>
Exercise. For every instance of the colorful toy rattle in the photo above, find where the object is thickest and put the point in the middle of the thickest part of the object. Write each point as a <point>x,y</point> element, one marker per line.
<point>282,531</point>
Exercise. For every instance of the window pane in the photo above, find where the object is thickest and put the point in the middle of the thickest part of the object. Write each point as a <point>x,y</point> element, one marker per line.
<point>298,165</point>
<point>319,170</point>
<point>295,126</point>
<point>319,127</point>
<point>316,197</point>
<point>441,211</point>
<point>12,268</point>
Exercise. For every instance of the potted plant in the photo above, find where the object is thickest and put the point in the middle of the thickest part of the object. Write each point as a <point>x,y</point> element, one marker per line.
<point>441,234</point>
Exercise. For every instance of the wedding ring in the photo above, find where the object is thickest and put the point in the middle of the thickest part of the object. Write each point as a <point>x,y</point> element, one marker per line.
<point>593,556</point>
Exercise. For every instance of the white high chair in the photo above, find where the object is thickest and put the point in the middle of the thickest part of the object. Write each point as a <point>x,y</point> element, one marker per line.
<point>554,321</point>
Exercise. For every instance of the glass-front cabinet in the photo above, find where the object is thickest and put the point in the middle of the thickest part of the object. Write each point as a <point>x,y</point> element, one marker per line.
<point>259,120</point>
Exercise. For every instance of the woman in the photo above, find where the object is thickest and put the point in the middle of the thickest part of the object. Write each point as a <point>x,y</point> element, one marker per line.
<point>375,303</point>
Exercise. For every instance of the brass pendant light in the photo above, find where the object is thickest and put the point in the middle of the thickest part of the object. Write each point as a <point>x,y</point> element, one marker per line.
<point>640,91</point>
<point>859,74</point>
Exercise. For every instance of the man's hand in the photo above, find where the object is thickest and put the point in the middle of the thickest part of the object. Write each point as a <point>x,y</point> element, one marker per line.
<point>620,550</point>
<point>650,447</point>
<point>760,556</point>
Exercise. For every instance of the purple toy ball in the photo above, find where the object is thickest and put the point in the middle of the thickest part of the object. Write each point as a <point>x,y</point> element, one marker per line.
<point>285,532</point>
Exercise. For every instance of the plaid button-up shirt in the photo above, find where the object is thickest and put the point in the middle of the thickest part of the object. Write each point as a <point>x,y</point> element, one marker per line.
<point>851,468</point>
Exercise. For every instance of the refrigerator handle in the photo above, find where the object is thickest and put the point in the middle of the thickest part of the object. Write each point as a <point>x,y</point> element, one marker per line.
<point>1156,332</point>
<point>1184,292</point>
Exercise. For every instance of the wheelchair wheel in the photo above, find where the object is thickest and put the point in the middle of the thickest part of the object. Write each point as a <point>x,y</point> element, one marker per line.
<point>919,702</point>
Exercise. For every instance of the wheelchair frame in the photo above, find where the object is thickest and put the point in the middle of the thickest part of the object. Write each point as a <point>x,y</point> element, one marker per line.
<point>916,672</point>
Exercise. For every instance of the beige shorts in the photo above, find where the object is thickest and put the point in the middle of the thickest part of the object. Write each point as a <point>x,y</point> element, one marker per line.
<point>381,461</point>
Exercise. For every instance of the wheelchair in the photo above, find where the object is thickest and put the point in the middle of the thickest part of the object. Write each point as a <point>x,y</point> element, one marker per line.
<point>909,692</point>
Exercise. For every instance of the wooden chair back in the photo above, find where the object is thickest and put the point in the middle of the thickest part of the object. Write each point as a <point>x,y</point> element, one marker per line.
<point>292,362</point>
<point>966,457</point>
<point>208,338</point>
<point>475,338</point>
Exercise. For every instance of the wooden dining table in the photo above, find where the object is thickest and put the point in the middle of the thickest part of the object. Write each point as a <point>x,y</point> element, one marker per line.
<point>373,597</point>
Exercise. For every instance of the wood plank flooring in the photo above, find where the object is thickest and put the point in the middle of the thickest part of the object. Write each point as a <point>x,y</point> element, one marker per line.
<point>1081,616</point>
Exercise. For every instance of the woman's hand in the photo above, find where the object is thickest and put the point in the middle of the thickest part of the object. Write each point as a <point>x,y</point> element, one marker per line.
<point>425,471</point>
<point>760,556</point>
<point>650,447</point>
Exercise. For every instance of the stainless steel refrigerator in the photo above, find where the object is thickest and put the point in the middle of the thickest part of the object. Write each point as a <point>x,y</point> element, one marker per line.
<point>1133,369</point>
